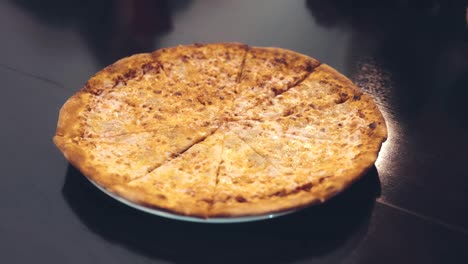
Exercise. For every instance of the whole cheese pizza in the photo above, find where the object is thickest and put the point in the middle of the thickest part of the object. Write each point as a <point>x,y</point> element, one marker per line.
<point>224,129</point>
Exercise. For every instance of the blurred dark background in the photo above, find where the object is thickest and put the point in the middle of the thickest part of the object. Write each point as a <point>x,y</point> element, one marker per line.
<point>112,28</point>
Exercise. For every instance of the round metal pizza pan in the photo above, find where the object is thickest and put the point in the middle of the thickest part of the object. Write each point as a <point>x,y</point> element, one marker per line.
<point>213,220</point>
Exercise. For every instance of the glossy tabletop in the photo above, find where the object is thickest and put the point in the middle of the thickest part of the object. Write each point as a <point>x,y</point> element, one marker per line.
<point>411,56</point>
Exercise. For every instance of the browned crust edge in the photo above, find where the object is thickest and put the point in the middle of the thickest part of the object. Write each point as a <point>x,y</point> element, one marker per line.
<point>192,208</point>
<point>200,45</point>
<point>275,50</point>
<point>80,160</point>
<point>70,114</point>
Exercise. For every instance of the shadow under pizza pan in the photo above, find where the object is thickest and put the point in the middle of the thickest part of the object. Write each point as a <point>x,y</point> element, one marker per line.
<point>329,230</point>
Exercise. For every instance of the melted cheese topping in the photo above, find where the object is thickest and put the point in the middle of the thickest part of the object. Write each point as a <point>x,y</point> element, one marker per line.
<point>221,129</point>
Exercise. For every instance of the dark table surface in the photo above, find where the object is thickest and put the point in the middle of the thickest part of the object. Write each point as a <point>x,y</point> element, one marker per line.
<point>412,58</point>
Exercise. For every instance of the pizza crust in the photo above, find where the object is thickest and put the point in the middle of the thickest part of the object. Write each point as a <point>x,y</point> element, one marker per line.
<point>269,130</point>
<point>69,122</point>
<point>80,159</point>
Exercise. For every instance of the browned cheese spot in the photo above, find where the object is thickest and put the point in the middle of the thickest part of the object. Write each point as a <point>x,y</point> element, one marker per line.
<point>241,199</point>
<point>360,113</point>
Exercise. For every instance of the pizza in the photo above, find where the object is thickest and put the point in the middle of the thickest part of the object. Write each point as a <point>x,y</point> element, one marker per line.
<point>221,130</point>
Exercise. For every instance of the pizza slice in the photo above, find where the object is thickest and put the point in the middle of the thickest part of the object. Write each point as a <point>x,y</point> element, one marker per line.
<point>269,72</point>
<point>206,71</point>
<point>184,185</point>
<point>88,116</point>
<point>325,164</point>
<point>339,123</point>
<point>131,96</point>
<point>119,159</point>
<point>323,88</point>
<point>355,120</point>
<point>245,178</point>
<point>96,111</point>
